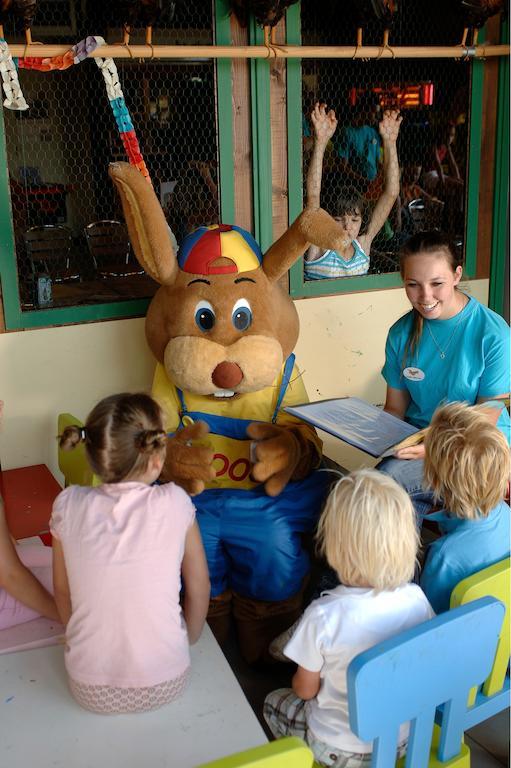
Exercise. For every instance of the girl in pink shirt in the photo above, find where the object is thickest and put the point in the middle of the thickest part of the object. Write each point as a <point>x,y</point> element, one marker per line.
<point>119,552</point>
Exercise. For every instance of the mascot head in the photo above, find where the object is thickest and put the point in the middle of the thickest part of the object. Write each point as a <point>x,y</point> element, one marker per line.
<point>220,323</point>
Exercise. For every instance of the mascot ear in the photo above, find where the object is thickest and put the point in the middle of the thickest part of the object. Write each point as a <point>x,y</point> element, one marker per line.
<point>146,223</point>
<point>312,226</point>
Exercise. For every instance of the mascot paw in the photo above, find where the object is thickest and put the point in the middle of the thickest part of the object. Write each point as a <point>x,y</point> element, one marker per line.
<point>277,452</point>
<point>188,464</point>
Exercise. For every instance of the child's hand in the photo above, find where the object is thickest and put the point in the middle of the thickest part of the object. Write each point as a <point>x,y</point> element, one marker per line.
<point>324,123</point>
<point>389,126</point>
<point>412,452</point>
<point>188,463</point>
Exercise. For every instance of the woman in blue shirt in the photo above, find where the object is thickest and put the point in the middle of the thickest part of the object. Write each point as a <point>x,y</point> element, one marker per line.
<point>448,348</point>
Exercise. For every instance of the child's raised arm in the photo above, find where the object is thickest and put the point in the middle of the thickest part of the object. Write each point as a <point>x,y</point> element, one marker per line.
<point>195,574</point>
<point>389,131</point>
<point>18,581</point>
<point>324,124</point>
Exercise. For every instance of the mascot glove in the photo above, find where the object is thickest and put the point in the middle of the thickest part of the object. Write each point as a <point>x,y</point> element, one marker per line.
<point>282,454</point>
<point>187,464</point>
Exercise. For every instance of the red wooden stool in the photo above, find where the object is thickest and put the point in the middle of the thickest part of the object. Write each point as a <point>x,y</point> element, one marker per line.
<point>28,493</point>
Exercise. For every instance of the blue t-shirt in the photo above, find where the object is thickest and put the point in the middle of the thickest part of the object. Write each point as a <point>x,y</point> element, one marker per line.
<point>476,362</point>
<point>360,146</point>
<point>466,547</point>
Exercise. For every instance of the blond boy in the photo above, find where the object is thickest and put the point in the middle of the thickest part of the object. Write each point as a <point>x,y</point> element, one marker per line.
<point>467,467</point>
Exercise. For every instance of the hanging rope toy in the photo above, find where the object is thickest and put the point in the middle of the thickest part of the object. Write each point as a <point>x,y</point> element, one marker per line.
<point>75,55</point>
<point>14,98</point>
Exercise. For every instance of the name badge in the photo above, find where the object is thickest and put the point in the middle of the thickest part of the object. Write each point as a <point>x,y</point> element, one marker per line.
<point>414,374</point>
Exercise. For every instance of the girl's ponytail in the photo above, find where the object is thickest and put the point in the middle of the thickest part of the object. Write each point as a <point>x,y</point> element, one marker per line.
<point>71,437</point>
<point>150,440</point>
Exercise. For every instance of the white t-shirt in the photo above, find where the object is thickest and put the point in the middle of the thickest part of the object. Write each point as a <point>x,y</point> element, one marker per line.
<point>334,629</point>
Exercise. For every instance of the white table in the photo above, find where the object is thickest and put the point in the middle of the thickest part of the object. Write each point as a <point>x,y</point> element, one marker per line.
<point>41,726</point>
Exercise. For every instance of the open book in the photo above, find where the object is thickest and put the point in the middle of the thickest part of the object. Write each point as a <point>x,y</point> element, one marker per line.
<point>360,424</point>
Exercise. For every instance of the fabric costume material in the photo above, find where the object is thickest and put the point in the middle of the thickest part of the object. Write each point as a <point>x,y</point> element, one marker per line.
<point>330,264</point>
<point>252,540</point>
<point>476,362</point>
<point>467,546</point>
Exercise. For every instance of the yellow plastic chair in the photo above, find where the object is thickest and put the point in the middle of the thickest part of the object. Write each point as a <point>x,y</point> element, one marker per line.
<point>73,464</point>
<point>493,696</point>
<point>289,752</point>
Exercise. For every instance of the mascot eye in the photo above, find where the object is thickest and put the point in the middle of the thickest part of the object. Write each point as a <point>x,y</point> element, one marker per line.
<point>241,315</point>
<point>204,316</point>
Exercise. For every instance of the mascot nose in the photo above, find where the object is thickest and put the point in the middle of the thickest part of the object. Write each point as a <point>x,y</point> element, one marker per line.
<point>227,375</point>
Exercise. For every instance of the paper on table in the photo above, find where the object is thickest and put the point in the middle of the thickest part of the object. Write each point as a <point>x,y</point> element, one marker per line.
<point>356,422</point>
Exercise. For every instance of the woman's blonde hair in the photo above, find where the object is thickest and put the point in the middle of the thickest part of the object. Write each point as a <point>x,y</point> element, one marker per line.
<point>368,531</point>
<point>467,460</point>
<point>121,433</point>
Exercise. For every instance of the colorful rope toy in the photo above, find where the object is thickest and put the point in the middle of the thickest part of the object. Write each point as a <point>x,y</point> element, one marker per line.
<point>14,98</point>
<point>75,55</point>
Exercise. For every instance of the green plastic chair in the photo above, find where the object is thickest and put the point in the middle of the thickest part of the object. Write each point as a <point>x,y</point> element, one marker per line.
<point>494,694</point>
<point>73,464</point>
<point>289,752</point>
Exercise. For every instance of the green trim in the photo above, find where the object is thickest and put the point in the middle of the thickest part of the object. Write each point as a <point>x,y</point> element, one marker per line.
<point>500,241</point>
<point>224,111</point>
<point>297,286</point>
<point>474,165</point>
<point>41,318</point>
<point>338,285</point>
<point>261,142</point>
<point>8,271</point>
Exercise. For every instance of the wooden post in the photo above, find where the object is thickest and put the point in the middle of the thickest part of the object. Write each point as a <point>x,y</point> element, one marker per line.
<point>241,133</point>
<point>487,169</point>
<point>278,121</point>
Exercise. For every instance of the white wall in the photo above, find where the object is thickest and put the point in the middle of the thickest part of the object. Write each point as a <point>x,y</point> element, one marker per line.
<point>68,369</point>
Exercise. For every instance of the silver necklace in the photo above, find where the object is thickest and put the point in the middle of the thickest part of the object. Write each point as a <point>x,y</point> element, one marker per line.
<point>443,352</point>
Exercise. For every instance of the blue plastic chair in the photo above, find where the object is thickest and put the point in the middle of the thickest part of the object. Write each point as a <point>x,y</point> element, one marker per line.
<point>408,676</point>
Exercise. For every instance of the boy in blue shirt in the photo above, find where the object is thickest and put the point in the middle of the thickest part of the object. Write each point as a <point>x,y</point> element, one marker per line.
<point>467,464</point>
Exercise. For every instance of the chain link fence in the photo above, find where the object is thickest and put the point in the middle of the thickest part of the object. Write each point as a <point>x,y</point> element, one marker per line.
<point>58,150</point>
<point>71,244</point>
<point>433,96</point>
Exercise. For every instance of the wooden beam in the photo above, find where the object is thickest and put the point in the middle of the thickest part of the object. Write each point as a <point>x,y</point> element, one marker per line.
<point>263,52</point>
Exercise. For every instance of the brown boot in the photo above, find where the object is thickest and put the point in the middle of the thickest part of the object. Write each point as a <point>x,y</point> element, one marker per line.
<point>259,622</point>
<point>219,616</point>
